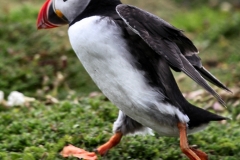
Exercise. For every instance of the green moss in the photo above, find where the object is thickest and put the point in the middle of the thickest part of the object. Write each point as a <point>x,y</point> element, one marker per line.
<point>43,130</point>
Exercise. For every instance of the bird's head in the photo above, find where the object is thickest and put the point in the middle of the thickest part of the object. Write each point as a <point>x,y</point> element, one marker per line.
<point>55,13</point>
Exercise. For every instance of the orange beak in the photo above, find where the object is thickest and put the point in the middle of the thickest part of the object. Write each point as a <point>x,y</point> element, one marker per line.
<point>47,18</point>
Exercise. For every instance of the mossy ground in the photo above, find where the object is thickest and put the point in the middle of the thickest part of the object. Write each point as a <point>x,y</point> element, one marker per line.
<point>40,131</point>
<point>40,63</point>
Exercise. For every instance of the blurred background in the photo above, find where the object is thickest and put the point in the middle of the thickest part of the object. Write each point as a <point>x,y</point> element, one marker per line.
<point>41,64</point>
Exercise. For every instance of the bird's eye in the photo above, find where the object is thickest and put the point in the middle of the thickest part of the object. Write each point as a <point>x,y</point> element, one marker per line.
<point>64,0</point>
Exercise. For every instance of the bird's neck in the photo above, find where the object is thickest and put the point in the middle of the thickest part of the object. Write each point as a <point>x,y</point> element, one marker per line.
<point>98,8</point>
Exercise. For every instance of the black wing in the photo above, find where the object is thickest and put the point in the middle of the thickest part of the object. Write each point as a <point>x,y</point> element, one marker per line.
<point>170,43</point>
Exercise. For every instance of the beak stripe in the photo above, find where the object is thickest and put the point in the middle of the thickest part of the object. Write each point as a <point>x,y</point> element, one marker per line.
<point>44,20</point>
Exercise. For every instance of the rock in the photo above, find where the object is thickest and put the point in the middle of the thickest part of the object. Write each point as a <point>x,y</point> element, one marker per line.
<point>15,98</point>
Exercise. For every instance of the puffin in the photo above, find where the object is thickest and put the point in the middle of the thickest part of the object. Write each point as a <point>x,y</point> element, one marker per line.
<point>130,54</point>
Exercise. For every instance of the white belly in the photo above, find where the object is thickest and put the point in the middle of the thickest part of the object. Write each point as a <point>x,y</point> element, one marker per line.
<point>104,54</point>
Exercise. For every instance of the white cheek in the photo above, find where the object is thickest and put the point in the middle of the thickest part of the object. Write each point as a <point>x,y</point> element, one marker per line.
<point>71,8</point>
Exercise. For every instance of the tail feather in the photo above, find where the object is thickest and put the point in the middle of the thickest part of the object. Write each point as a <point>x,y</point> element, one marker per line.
<point>199,116</point>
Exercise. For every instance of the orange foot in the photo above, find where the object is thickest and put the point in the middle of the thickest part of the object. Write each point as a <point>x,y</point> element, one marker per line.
<point>72,151</point>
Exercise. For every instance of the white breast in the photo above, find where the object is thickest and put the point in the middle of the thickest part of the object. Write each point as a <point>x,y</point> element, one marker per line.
<point>99,45</point>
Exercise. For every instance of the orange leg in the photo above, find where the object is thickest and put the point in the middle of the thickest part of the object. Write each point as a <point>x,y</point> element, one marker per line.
<point>191,153</point>
<point>70,150</point>
<point>113,141</point>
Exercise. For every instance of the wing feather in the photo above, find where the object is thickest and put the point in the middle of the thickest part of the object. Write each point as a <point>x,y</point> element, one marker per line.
<point>171,43</point>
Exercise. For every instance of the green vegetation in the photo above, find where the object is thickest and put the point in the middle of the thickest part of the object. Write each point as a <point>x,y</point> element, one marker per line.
<point>40,131</point>
<point>41,63</point>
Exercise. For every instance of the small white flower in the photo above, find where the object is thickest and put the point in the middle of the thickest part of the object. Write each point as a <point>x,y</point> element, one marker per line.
<point>1,96</point>
<point>15,99</point>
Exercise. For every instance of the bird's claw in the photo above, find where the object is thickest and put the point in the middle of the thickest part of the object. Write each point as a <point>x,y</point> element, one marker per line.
<point>202,155</point>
